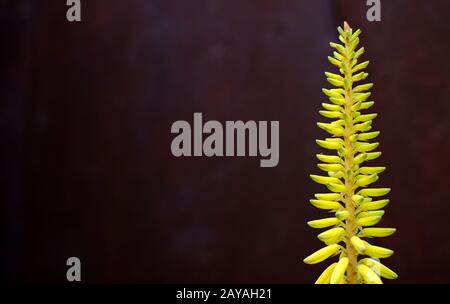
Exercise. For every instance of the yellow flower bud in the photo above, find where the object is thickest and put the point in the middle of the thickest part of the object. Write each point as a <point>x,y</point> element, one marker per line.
<point>322,254</point>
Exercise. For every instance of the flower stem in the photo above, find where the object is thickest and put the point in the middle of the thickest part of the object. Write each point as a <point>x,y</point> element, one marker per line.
<point>350,225</point>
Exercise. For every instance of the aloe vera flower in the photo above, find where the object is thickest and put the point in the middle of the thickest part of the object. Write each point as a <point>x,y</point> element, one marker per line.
<point>353,202</point>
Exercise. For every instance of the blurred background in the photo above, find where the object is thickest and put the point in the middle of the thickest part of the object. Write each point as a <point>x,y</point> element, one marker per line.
<point>85,115</point>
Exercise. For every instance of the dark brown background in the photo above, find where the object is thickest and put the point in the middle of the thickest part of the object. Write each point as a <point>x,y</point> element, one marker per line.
<point>85,117</point>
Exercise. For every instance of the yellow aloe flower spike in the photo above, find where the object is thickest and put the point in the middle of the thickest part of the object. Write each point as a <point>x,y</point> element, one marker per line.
<point>353,196</point>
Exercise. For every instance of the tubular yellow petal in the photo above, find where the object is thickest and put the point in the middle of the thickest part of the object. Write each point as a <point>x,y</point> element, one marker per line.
<point>367,180</point>
<point>336,174</point>
<point>332,235</point>
<point>356,34</point>
<point>331,114</point>
<point>322,254</point>
<point>339,122</point>
<point>363,87</point>
<point>360,158</point>
<point>338,100</point>
<point>357,198</point>
<point>353,138</point>
<point>328,144</point>
<point>335,82</point>
<point>354,43</point>
<point>326,275</point>
<point>368,221</point>
<point>333,129</point>
<point>378,252</point>
<point>373,155</point>
<point>369,276</point>
<point>374,205</point>
<point>366,200</point>
<point>330,167</point>
<point>374,191</point>
<point>366,147</point>
<point>336,187</point>
<point>333,93</point>
<point>324,179</point>
<point>357,106</point>
<point>360,66</point>
<point>334,61</point>
<point>344,31</point>
<point>362,105</point>
<point>361,96</point>
<point>371,213</point>
<point>366,117</point>
<point>371,170</point>
<point>338,140</point>
<point>378,232</point>
<point>328,196</point>
<point>331,159</point>
<point>368,136</point>
<point>363,127</point>
<point>379,269</point>
<point>326,205</point>
<point>360,76</point>
<point>334,76</point>
<point>324,223</point>
<point>366,105</point>
<point>359,52</point>
<point>359,244</point>
<point>342,215</point>
<point>339,271</point>
<point>338,56</point>
<point>339,47</point>
<point>332,107</point>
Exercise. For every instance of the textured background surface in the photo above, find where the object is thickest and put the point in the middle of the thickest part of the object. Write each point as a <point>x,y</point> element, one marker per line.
<point>85,116</point>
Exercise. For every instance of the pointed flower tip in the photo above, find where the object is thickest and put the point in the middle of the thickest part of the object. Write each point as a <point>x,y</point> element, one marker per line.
<point>346,26</point>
